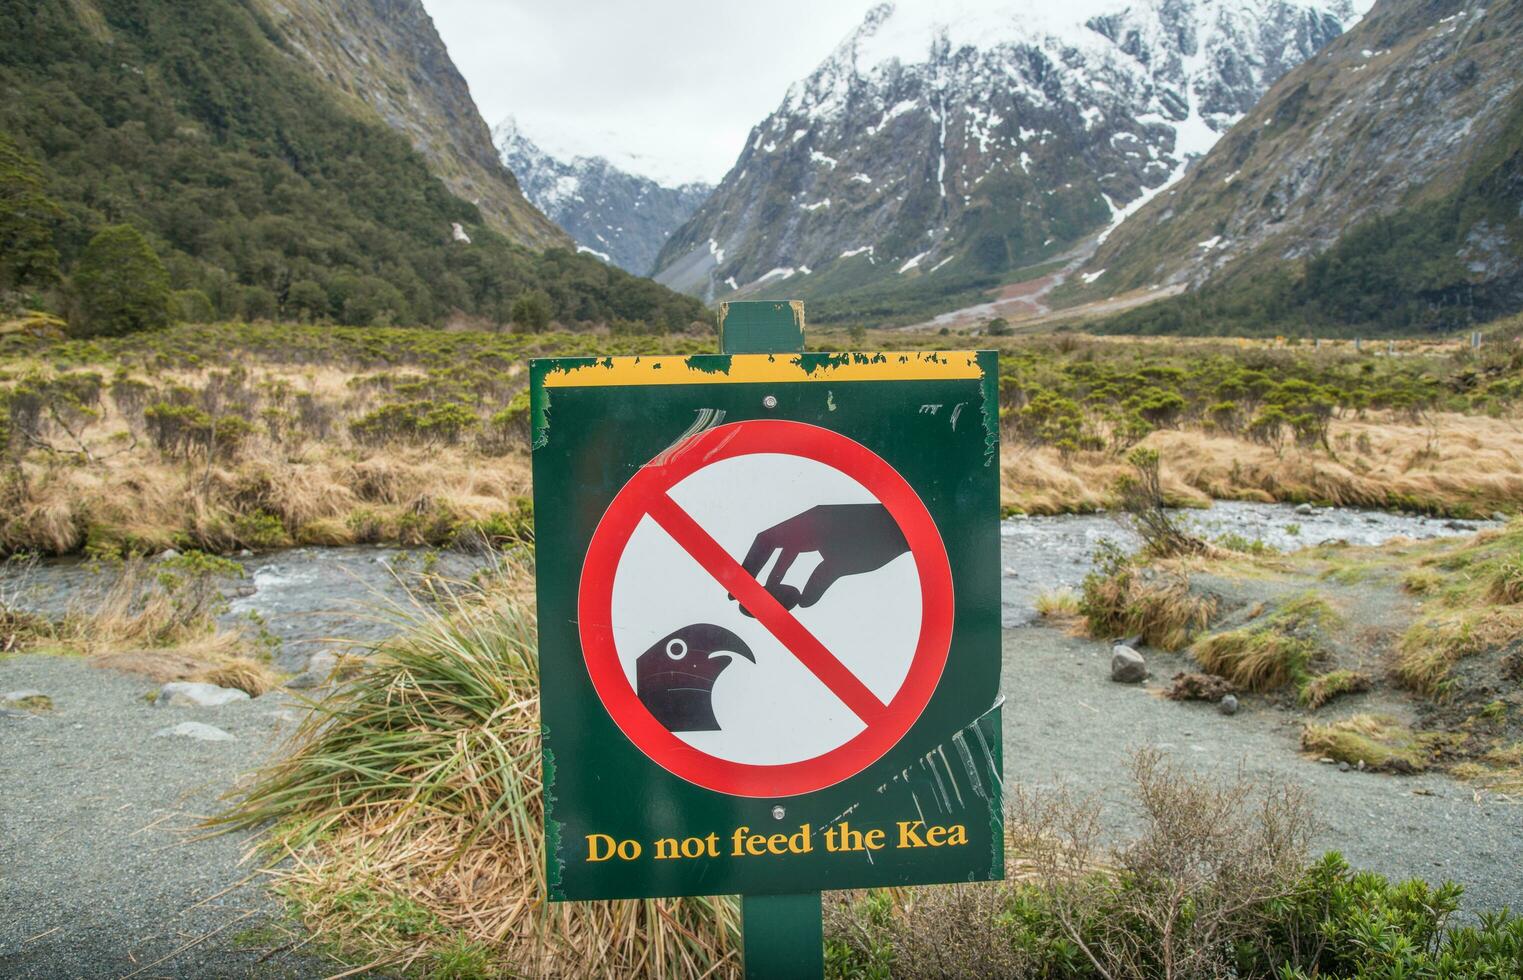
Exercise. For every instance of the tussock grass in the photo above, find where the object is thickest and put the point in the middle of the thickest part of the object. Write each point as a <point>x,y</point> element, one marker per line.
<point>1373,741</point>
<point>1058,604</point>
<point>1421,581</point>
<point>1506,581</point>
<point>411,809</point>
<point>1275,651</point>
<point>1430,647</point>
<point>1259,660</point>
<point>1474,587</point>
<point>1477,468</point>
<point>1162,610</point>
<point>338,434</point>
<point>1333,684</point>
<point>1499,770</point>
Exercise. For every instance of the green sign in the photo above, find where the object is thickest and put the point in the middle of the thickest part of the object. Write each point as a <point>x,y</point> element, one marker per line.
<point>769,621</point>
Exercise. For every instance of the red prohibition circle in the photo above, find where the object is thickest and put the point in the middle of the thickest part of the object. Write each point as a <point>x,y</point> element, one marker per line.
<point>646,491</point>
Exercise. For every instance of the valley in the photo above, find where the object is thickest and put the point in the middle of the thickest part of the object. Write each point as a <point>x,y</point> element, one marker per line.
<point>269,636</point>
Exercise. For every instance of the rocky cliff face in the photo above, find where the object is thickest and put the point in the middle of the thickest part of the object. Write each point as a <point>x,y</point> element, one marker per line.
<point>956,142</point>
<point>1403,110</point>
<point>621,217</point>
<point>386,56</point>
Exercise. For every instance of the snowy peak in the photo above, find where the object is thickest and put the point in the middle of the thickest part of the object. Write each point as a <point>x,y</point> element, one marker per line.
<point>620,217</point>
<point>980,136</point>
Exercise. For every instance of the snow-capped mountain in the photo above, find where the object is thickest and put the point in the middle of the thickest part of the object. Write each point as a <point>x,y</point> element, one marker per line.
<point>1414,117</point>
<point>959,141</point>
<point>621,217</point>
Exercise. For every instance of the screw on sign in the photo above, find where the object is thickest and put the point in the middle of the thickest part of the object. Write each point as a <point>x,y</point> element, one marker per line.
<point>769,644</point>
<point>772,688</point>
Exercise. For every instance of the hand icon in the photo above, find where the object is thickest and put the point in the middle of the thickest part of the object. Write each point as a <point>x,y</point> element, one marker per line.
<point>850,539</point>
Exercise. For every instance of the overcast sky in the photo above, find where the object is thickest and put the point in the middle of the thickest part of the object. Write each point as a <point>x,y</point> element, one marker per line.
<point>676,84</point>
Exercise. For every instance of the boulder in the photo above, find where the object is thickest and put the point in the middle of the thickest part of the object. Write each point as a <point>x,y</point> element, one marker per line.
<point>1227,705</point>
<point>1127,665</point>
<point>195,730</point>
<point>197,695</point>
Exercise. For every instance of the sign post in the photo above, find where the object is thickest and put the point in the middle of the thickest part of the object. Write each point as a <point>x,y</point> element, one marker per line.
<point>781,935</point>
<point>768,590</point>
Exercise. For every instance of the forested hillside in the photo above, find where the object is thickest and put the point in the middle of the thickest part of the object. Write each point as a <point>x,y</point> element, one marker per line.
<point>261,190</point>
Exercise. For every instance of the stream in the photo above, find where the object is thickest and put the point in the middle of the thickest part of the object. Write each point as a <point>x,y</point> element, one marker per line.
<point>312,598</point>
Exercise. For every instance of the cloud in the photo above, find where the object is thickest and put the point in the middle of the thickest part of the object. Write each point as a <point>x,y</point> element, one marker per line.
<point>676,84</point>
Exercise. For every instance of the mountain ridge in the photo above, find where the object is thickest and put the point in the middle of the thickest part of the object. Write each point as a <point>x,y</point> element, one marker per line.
<point>266,191</point>
<point>1407,129</point>
<point>388,57</point>
<point>885,178</point>
<point>620,216</point>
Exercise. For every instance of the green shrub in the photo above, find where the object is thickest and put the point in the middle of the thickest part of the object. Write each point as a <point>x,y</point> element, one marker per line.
<point>260,530</point>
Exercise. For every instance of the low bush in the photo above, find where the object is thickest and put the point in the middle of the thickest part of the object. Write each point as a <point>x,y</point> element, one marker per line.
<point>1215,884</point>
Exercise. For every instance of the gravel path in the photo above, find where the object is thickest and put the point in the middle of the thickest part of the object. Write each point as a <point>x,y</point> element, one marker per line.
<point>100,871</point>
<point>102,874</point>
<point>1066,721</point>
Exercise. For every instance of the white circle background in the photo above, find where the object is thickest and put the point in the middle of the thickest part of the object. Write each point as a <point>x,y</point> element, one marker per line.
<point>774,711</point>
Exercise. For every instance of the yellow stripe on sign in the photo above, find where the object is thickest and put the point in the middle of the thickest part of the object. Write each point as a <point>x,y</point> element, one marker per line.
<point>767,368</point>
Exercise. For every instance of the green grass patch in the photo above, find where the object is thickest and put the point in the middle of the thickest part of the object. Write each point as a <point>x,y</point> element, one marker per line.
<point>1323,688</point>
<point>1374,742</point>
<point>1276,650</point>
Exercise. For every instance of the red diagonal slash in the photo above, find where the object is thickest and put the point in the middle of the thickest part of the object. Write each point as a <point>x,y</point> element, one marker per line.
<point>768,611</point>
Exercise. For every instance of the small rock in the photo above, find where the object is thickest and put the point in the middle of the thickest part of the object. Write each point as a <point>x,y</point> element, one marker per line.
<point>1127,665</point>
<point>1306,509</point>
<point>197,695</point>
<point>1325,760</point>
<point>195,730</point>
<point>1343,767</point>
<point>1456,526</point>
<point>1499,516</point>
<point>28,699</point>
<point>243,591</point>
<point>245,553</point>
<point>318,672</point>
<point>168,553</point>
<point>1131,641</point>
<point>1227,705</point>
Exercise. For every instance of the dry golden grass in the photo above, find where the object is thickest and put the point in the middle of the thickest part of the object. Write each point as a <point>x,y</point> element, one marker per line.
<point>1458,461</point>
<point>334,491</point>
<point>138,624</point>
<point>1162,610</point>
<point>155,505</point>
<point>1435,643</point>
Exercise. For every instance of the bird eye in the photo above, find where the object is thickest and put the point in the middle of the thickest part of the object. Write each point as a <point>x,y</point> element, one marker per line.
<point>676,649</point>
